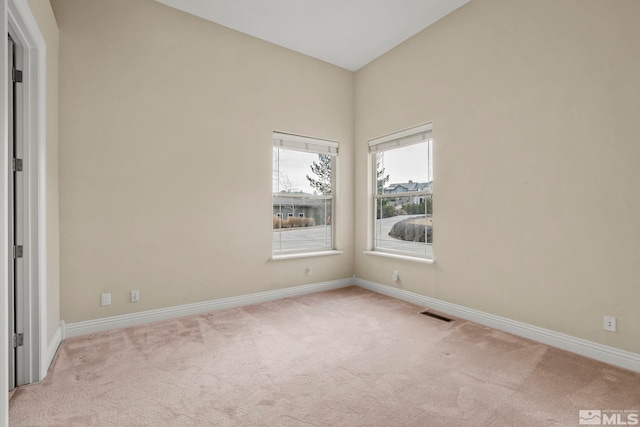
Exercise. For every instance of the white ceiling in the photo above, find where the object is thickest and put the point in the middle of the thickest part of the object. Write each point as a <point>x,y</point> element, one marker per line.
<point>347,33</point>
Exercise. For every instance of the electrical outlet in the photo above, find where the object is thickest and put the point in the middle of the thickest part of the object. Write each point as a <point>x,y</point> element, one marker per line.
<point>135,296</point>
<point>394,276</point>
<point>309,270</point>
<point>105,299</point>
<point>609,323</point>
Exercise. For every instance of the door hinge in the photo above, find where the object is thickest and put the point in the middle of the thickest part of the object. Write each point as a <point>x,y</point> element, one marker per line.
<point>17,75</point>
<point>18,251</point>
<point>17,165</point>
<point>18,340</point>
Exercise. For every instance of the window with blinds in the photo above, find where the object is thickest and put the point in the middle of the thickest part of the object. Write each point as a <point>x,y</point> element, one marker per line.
<point>403,192</point>
<point>303,193</point>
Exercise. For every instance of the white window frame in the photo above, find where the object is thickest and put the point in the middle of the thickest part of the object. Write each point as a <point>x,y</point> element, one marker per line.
<point>414,135</point>
<point>318,146</point>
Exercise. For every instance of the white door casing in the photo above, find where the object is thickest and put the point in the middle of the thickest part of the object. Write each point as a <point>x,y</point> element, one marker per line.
<point>18,20</point>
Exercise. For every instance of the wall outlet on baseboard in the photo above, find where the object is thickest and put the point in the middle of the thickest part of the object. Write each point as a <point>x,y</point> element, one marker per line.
<point>309,270</point>
<point>105,299</point>
<point>394,276</point>
<point>135,296</point>
<point>609,323</point>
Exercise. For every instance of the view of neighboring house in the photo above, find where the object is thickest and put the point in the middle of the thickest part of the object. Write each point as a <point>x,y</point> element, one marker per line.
<point>301,205</point>
<point>406,187</point>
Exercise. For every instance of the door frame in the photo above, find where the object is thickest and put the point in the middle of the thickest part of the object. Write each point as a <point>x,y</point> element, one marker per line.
<point>18,19</point>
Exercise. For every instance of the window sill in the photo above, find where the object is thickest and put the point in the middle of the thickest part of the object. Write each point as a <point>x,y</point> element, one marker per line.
<point>402,257</point>
<point>305,255</point>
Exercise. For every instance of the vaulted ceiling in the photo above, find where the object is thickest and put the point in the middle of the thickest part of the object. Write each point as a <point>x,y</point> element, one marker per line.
<point>347,33</point>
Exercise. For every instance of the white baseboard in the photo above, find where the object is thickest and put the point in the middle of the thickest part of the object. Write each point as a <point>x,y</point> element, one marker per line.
<point>125,320</point>
<point>52,348</point>
<point>603,353</point>
<point>580,346</point>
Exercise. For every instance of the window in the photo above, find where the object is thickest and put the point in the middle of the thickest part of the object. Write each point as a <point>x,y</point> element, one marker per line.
<point>403,192</point>
<point>303,193</point>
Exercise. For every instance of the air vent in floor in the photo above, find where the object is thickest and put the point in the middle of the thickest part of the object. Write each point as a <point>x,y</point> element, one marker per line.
<point>436,316</point>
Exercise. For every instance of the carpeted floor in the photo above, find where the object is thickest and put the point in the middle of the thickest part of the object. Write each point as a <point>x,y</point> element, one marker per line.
<point>341,358</point>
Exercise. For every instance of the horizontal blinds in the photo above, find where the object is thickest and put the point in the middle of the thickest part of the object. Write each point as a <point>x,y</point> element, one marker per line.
<point>304,143</point>
<point>414,135</point>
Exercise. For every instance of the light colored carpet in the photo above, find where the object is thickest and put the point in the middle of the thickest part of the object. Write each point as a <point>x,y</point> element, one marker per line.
<point>341,358</point>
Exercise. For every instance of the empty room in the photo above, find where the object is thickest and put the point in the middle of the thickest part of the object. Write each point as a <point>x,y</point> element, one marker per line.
<point>320,213</point>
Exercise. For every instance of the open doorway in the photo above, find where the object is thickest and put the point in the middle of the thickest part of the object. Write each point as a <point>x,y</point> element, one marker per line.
<point>16,213</point>
<point>24,200</point>
<point>28,122</point>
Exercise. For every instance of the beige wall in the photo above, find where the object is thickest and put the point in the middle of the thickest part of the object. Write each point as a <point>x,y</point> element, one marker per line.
<point>165,125</point>
<point>165,157</point>
<point>536,210</point>
<point>43,14</point>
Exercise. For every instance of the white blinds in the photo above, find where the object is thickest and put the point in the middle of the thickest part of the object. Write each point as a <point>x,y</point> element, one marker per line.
<point>304,143</point>
<point>414,135</point>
